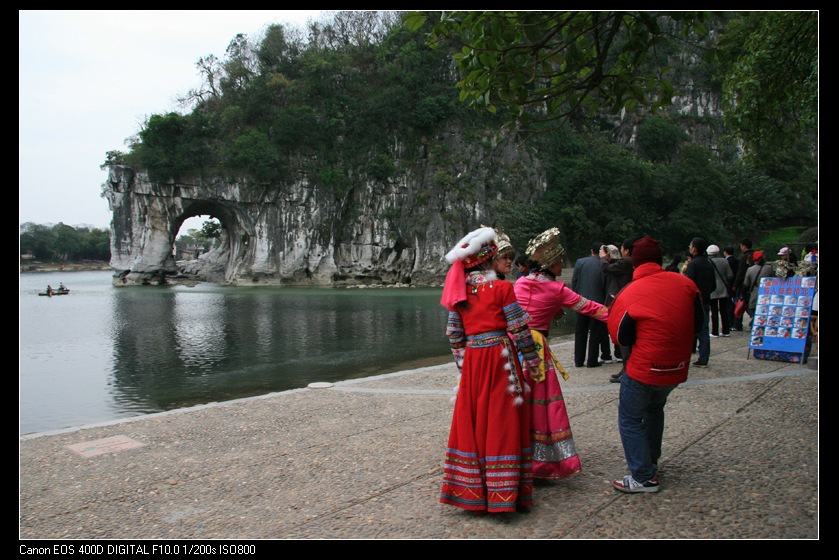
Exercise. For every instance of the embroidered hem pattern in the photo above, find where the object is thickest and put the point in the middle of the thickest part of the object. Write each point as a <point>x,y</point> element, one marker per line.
<point>496,485</point>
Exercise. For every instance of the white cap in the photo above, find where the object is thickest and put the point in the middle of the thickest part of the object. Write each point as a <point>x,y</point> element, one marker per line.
<point>713,250</point>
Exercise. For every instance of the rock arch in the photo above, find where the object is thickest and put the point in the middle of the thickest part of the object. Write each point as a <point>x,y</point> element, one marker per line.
<point>147,217</point>
<point>270,236</point>
<point>376,232</point>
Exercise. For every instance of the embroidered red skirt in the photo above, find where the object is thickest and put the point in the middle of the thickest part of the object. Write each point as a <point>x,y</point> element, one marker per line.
<point>488,457</point>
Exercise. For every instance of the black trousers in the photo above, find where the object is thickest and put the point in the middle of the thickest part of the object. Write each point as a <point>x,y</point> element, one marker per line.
<point>590,335</point>
<point>720,313</point>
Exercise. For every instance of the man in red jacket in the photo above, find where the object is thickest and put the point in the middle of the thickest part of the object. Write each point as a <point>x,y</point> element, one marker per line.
<point>658,315</point>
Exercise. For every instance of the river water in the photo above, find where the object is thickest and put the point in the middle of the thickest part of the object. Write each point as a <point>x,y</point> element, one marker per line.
<point>103,353</point>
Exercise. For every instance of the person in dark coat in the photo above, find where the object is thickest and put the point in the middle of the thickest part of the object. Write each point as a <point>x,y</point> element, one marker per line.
<point>734,263</point>
<point>740,276</point>
<point>618,270</point>
<point>701,271</point>
<point>589,281</point>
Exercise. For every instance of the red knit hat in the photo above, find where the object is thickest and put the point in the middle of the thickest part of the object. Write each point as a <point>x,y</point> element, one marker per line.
<point>646,250</point>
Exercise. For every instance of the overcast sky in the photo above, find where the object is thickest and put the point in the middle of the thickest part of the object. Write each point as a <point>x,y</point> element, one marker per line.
<point>88,80</point>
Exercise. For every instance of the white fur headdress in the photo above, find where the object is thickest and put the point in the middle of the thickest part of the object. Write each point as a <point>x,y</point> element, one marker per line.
<point>476,247</point>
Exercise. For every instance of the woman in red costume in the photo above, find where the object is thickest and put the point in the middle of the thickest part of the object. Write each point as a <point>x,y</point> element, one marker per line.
<point>543,298</point>
<point>487,466</point>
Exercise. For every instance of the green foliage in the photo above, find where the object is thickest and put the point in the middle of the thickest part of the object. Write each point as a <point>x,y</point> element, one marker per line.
<point>796,173</point>
<point>113,157</point>
<point>38,240</point>
<point>211,229</point>
<point>543,66</point>
<point>443,178</point>
<point>769,62</point>
<point>781,237</point>
<point>381,167</point>
<point>64,243</point>
<point>297,128</point>
<point>559,63</point>
<point>174,145</point>
<point>430,111</point>
<point>253,154</point>
<point>659,140</point>
<point>598,190</point>
<point>753,201</point>
<point>277,51</point>
<point>162,140</point>
<point>698,188</point>
<point>189,240</point>
<point>522,222</point>
<point>334,178</point>
<point>361,82</point>
<point>202,239</point>
<point>809,235</point>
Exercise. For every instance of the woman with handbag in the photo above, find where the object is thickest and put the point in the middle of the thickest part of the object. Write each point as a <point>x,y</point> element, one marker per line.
<point>740,304</point>
<point>751,284</point>
<point>739,276</point>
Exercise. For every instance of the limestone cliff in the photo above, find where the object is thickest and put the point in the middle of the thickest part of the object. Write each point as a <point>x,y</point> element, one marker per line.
<point>377,231</point>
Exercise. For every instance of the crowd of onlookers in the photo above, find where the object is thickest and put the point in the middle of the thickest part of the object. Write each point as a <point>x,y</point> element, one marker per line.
<point>722,277</point>
<point>510,428</point>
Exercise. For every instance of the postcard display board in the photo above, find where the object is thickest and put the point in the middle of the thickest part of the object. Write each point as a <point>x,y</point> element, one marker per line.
<point>782,319</point>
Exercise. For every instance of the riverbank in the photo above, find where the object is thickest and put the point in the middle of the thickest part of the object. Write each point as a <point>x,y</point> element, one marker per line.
<point>81,266</point>
<point>362,459</point>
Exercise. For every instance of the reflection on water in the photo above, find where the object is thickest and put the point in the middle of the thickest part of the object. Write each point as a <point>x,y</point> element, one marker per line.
<point>104,353</point>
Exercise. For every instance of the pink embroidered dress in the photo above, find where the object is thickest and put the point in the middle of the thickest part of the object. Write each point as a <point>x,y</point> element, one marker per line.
<point>553,450</point>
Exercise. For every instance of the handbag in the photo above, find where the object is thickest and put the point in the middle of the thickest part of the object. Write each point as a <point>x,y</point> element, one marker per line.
<point>739,307</point>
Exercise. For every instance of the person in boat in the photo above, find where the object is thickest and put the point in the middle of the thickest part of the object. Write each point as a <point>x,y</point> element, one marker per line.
<point>49,289</point>
<point>62,287</point>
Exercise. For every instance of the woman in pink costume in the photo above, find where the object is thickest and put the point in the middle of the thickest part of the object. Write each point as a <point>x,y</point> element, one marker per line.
<point>543,297</point>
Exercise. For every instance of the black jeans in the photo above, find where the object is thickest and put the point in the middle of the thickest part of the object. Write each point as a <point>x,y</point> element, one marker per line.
<point>589,335</point>
<point>720,313</point>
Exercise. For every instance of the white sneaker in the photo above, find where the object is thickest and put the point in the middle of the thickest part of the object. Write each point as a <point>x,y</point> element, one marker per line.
<point>631,486</point>
<point>714,336</point>
<point>602,361</point>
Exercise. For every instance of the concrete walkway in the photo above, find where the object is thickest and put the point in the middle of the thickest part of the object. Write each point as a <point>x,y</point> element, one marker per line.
<point>363,460</point>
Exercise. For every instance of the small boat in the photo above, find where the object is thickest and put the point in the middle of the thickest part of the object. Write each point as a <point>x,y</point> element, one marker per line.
<point>56,292</point>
